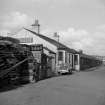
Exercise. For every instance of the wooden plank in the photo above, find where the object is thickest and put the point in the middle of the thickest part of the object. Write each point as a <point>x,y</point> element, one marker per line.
<point>5,72</point>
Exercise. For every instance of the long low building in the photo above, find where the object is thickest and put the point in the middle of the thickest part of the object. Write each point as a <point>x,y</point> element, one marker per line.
<point>88,61</point>
<point>66,59</point>
<point>64,54</point>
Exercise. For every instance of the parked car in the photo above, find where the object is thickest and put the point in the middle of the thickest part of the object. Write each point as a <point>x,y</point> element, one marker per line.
<point>64,69</point>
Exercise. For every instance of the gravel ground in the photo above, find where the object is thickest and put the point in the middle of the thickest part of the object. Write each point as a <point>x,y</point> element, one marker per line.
<point>81,88</point>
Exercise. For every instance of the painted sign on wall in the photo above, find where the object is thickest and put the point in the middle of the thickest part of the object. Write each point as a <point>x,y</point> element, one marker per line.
<point>37,51</point>
<point>36,47</point>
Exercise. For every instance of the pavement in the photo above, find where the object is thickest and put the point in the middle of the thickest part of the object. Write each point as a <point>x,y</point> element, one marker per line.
<point>80,88</point>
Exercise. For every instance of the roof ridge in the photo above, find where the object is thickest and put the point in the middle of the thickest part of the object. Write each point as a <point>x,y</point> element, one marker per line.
<point>52,41</point>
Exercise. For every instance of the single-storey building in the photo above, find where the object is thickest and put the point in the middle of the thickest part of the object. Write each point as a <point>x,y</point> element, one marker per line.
<point>63,55</point>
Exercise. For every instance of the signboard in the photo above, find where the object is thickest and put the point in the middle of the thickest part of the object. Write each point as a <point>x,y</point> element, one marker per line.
<point>37,47</point>
<point>37,51</point>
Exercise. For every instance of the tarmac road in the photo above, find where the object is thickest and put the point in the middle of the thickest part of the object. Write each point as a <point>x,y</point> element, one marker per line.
<point>81,88</point>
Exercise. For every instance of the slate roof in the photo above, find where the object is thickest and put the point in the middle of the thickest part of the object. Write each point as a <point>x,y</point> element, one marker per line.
<point>54,42</point>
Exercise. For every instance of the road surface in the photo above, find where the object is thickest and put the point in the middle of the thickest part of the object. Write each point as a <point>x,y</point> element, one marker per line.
<point>81,88</point>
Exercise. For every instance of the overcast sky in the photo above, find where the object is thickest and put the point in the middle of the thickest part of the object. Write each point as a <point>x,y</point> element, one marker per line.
<point>80,23</point>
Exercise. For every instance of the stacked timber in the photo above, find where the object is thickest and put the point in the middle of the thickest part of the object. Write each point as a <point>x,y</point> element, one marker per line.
<point>7,59</point>
<point>16,62</point>
<point>13,61</point>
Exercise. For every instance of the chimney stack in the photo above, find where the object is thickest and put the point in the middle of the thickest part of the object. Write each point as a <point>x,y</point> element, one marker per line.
<point>36,26</point>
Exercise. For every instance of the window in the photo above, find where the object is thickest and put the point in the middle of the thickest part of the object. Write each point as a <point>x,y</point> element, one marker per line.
<point>66,57</point>
<point>60,56</point>
<point>75,59</point>
<point>69,58</point>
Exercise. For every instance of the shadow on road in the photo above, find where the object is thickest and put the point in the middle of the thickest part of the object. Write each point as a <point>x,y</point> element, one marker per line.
<point>11,87</point>
<point>6,88</point>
